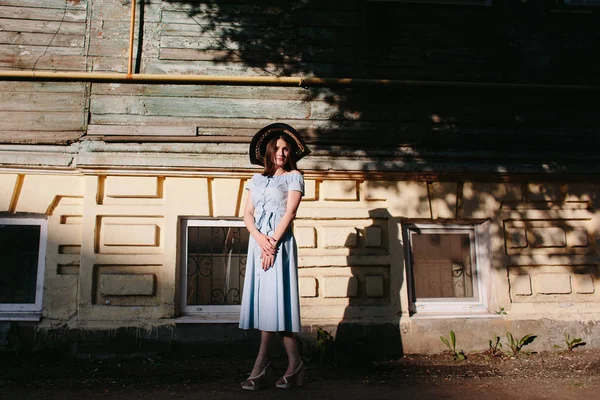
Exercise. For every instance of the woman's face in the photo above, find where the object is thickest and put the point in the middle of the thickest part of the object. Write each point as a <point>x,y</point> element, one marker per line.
<point>281,153</point>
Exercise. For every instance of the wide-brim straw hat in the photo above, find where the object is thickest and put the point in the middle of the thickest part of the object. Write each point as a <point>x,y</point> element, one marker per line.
<point>258,145</point>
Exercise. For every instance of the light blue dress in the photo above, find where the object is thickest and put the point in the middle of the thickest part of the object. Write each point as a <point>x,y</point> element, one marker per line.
<point>270,301</point>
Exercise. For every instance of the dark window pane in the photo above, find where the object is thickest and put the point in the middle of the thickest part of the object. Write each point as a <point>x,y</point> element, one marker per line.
<point>18,271</point>
<point>442,265</point>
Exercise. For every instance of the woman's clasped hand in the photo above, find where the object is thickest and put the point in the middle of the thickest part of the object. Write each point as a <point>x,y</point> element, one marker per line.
<point>268,248</point>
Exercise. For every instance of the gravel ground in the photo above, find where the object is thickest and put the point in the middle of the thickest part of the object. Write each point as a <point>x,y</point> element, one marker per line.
<point>548,375</point>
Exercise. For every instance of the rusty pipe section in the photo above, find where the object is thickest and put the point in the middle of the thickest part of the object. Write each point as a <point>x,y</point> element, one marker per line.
<point>131,38</point>
<point>170,79</point>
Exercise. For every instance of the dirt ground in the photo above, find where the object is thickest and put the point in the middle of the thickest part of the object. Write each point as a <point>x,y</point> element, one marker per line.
<point>548,375</point>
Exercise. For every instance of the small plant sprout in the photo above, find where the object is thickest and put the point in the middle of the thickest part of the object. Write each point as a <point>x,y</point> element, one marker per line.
<point>501,311</point>
<point>451,344</point>
<point>494,346</point>
<point>325,343</point>
<point>516,345</point>
<point>571,343</point>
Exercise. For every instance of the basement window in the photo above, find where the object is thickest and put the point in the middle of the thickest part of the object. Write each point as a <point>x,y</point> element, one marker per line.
<point>23,243</point>
<point>452,2</point>
<point>448,268</point>
<point>213,267</point>
<point>582,2</point>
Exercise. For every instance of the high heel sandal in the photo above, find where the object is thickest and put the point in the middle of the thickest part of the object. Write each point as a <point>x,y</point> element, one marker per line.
<point>296,378</point>
<point>255,382</point>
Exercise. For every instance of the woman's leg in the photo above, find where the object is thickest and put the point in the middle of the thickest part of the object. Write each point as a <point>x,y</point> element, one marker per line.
<point>293,353</point>
<point>263,353</point>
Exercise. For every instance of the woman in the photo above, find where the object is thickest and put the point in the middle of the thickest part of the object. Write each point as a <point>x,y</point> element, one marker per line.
<point>270,302</point>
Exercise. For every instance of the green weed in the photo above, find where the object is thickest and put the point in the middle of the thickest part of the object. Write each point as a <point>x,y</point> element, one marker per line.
<point>516,345</point>
<point>457,355</point>
<point>495,347</point>
<point>571,343</point>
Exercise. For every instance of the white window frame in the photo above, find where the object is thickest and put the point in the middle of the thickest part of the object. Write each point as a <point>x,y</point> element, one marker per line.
<point>29,311</point>
<point>480,253</point>
<point>203,313</point>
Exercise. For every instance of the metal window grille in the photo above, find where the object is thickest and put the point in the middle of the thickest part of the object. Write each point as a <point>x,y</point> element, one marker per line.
<point>215,264</point>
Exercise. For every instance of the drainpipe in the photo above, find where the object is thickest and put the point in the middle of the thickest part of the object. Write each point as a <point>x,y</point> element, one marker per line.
<point>131,38</point>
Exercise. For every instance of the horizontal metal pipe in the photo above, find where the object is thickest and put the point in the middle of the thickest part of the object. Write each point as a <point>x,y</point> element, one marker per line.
<point>114,77</point>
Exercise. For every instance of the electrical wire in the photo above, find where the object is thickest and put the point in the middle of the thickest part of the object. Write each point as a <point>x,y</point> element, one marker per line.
<point>53,36</point>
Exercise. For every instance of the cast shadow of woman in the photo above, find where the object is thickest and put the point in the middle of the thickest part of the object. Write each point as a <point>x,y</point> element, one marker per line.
<point>370,328</point>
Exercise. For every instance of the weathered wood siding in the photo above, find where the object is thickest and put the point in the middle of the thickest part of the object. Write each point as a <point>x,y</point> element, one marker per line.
<point>511,41</point>
<point>42,35</point>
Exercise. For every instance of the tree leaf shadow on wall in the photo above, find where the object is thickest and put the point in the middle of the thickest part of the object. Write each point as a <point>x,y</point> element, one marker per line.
<point>407,128</point>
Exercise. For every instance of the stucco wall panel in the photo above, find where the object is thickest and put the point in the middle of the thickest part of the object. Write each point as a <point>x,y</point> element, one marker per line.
<point>584,192</point>
<point>7,183</point>
<point>339,237</point>
<point>483,200</point>
<point>521,285</point>
<point>584,283</point>
<point>350,237</point>
<point>544,237</point>
<point>326,260</point>
<point>187,196</point>
<point>340,286</point>
<point>554,283</point>
<point>375,190</point>
<point>545,192</point>
<point>553,236</point>
<point>42,193</point>
<point>127,284</point>
<point>62,261</point>
<point>365,285</point>
<point>578,236</point>
<point>133,187</point>
<point>131,190</point>
<point>306,237</point>
<point>338,190</point>
<point>310,190</point>
<point>130,235</point>
<point>308,286</point>
<point>227,197</point>
<point>408,200</point>
<point>63,234</point>
<point>443,199</point>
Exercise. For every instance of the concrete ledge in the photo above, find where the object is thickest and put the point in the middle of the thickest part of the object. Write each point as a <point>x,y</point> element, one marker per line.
<point>422,336</point>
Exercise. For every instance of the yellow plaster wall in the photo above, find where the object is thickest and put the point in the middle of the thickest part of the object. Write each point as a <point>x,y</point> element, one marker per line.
<point>105,230</point>
<point>8,184</point>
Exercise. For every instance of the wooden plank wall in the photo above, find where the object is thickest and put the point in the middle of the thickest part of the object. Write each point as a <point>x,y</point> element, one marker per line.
<point>42,35</point>
<point>226,38</point>
<point>508,43</point>
<point>512,41</point>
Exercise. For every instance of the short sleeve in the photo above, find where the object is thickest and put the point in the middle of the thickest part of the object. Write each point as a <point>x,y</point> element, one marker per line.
<point>250,184</point>
<point>296,182</point>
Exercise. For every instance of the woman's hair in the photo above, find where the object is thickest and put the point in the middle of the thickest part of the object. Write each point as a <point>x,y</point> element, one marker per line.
<point>290,163</point>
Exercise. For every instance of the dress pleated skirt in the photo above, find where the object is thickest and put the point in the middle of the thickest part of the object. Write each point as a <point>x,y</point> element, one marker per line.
<point>270,300</point>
